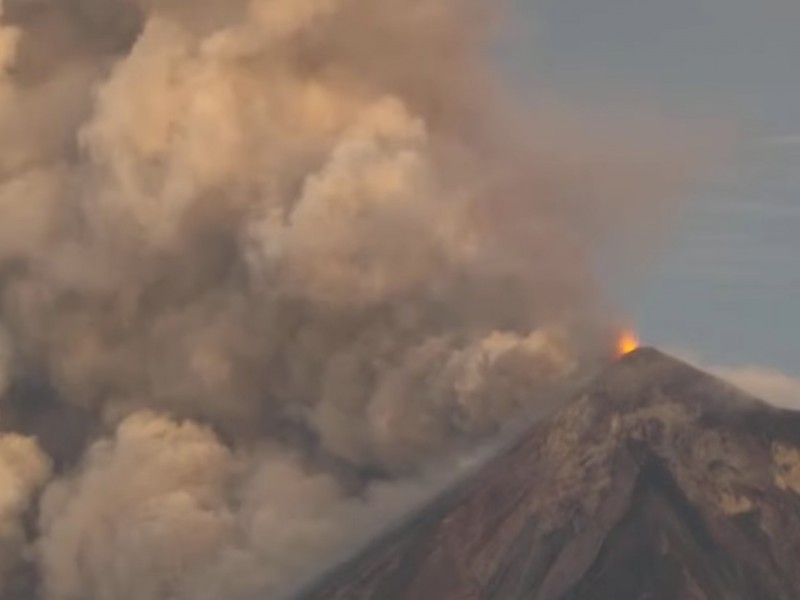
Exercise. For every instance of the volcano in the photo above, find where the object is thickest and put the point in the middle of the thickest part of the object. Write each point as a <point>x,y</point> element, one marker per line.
<point>658,482</point>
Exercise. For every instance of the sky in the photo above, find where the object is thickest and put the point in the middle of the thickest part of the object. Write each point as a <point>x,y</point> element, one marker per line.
<point>726,289</point>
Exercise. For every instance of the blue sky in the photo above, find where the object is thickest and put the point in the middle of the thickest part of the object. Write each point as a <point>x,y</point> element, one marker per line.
<point>727,287</point>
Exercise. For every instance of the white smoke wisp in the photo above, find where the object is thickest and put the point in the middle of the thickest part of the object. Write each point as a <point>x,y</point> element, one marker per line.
<point>271,258</point>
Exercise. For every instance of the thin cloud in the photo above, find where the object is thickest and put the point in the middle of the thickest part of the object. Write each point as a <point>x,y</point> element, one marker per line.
<point>766,383</point>
<point>783,140</point>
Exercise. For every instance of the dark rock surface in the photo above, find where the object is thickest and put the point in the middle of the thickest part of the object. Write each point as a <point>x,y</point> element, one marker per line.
<point>660,482</point>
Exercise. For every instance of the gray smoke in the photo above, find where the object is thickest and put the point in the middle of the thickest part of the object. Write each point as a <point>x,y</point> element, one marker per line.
<point>262,264</point>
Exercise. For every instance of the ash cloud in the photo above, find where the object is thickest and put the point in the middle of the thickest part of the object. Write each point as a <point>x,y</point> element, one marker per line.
<point>263,263</point>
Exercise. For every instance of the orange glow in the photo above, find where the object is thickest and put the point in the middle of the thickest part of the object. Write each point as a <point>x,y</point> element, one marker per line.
<point>627,343</point>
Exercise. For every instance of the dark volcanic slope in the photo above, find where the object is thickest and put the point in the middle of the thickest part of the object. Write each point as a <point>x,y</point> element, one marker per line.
<point>661,482</point>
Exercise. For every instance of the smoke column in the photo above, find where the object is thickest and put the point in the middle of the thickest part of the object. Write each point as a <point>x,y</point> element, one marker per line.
<point>262,264</point>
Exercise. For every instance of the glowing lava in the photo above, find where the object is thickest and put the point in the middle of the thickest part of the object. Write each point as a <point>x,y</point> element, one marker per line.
<point>627,343</point>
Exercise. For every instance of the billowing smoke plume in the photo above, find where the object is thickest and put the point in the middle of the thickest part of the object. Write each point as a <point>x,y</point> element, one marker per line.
<point>263,262</point>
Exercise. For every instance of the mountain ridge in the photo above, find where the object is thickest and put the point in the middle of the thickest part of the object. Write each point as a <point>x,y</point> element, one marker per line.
<point>659,481</point>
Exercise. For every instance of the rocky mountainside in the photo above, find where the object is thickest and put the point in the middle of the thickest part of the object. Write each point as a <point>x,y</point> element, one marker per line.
<point>660,482</point>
